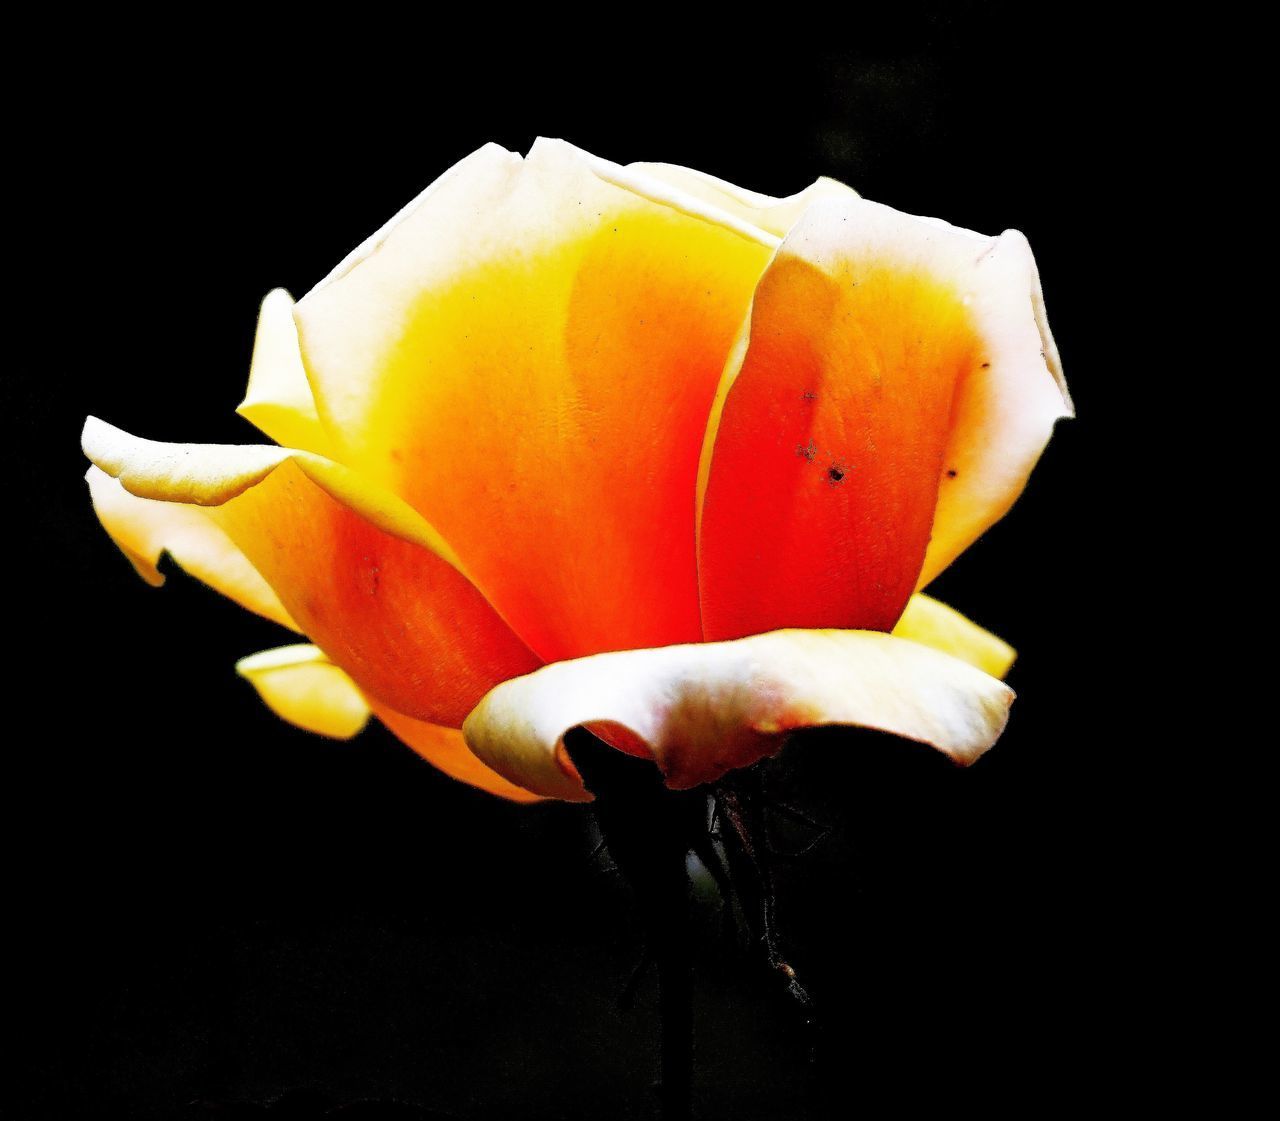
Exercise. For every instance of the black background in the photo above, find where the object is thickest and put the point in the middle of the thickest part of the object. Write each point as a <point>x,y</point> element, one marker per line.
<point>218,915</point>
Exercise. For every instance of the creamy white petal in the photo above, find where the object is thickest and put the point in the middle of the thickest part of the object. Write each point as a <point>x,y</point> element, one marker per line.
<point>701,710</point>
<point>144,530</point>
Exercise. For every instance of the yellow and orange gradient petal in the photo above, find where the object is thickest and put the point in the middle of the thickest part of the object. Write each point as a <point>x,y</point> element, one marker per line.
<point>853,434</point>
<point>528,357</point>
<point>144,530</point>
<point>557,407</point>
<point>361,574</point>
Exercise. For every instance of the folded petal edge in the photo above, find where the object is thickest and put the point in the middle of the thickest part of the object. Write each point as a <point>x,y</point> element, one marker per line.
<point>214,474</point>
<point>703,709</point>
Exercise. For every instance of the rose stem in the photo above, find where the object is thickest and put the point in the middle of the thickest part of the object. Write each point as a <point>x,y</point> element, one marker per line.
<point>649,830</point>
<point>739,801</point>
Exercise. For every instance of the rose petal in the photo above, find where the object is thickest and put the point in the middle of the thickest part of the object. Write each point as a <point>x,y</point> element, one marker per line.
<point>528,356</point>
<point>143,530</point>
<point>774,215</point>
<point>278,399</point>
<point>1004,411</point>
<point>300,685</point>
<point>931,623</point>
<point>363,575</point>
<point>836,419</point>
<point>447,751</point>
<point>704,709</point>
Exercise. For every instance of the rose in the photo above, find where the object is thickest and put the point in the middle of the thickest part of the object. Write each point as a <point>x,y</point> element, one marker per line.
<point>690,449</point>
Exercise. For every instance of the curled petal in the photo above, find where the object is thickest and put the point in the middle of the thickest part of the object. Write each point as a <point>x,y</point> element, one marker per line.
<point>447,751</point>
<point>278,400</point>
<point>701,710</point>
<point>864,383</point>
<point>362,574</point>
<point>527,355</point>
<point>144,530</point>
<point>773,215</point>
<point>300,685</point>
<point>935,624</point>
<point>1004,410</point>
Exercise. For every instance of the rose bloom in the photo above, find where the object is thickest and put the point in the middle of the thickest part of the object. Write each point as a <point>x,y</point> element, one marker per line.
<point>568,444</point>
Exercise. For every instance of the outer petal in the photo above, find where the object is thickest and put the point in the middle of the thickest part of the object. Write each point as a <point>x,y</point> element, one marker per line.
<point>935,624</point>
<point>144,530</point>
<point>447,751</point>
<point>300,685</point>
<point>839,416</point>
<point>528,356</point>
<point>279,400</point>
<point>1004,410</point>
<point>362,574</point>
<point>774,215</point>
<point>701,710</point>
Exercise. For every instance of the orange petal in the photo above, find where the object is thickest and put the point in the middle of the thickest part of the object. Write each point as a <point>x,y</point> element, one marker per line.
<point>833,424</point>
<point>927,621</point>
<point>362,574</point>
<point>300,685</point>
<point>703,709</point>
<point>278,399</point>
<point>527,355</point>
<point>144,530</point>
<point>447,751</point>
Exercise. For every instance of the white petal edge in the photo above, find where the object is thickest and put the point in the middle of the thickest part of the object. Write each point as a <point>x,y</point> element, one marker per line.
<point>488,153</point>
<point>1005,413</point>
<point>703,709</point>
<point>773,215</point>
<point>212,474</point>
<point>278,400</point>
<point>144,530</point>
<point>635,178</point>
<point>300,685</point>
<point>446,750</point>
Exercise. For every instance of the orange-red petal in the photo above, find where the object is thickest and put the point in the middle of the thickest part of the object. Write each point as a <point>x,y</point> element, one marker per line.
<point>360,572</point>
<point>528,355</point>
<point>1005,410</point>
<point>826,445</point>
